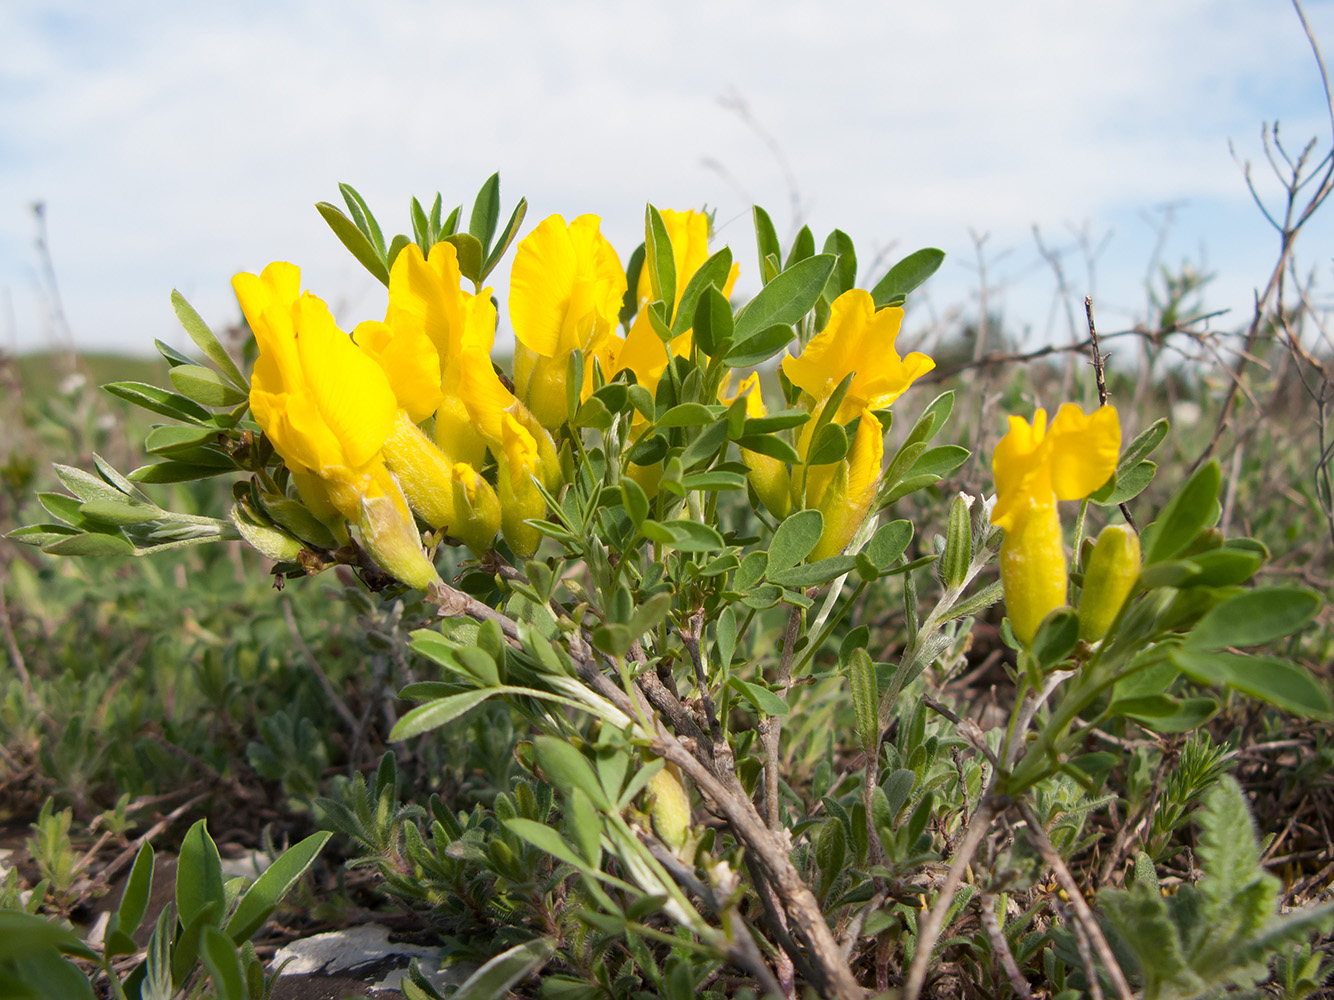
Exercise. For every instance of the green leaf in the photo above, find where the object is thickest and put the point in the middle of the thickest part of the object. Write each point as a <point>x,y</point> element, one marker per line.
<point>112,512</point>
<point>658,258</point>
<point>712,273</point>
<point>759,696</point>
<point>684,535</point>
<point>939,461</point>
<point>93,544</point>
<point>830,445</point>
<point>689,415</point>
<point>363,217</point>
<point>44,975</point>
<point>206,341</point>
<point>1186,715</point>
<point>794,540</point>
<point>635,500</point>
<point>223,962</point>
<point>1279,682</point>
<point>544,838</point>
<point>354,239</point>
<point>262,898</point>
<point>752,570</point>
<point>567,769</point>
<point>206,386</point>
<point>814,574</point>
<point>803,245</point>
<point>469,251</point>
<point>760,347</point>
<point>507,235</point>
<point>1190,511</point>
<point>766,240</point>
<point>1056,638</point>
<point>1255,617</point>
<point>844,277</point>
<point>1143,445</point>
<point>169,404</point>
<point>1140,913</point>
<point>712,321</point>
<point>171,440</point>
<point>705,444</point>
<point>1127,485</point>
<point>494,979</point>
<point>768,444</point>
<point>435,714</point>
<point>780,421</point>
<point>176,472</point>
<point>199,876</point>
<point>583,824</point>
<point>889,543</point>
<point>24,933</point>
<point>831,848</point>
<point>785,299</point>
<point>138,888</point>
<point>486,212</point>
<point>906,275</point>
<point>865,698</point>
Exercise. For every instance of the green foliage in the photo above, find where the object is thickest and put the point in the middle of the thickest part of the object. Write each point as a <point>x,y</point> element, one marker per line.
<point>1222,933</point>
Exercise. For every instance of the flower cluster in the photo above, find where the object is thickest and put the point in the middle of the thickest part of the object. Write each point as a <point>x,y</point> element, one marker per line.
<point>407,418</point>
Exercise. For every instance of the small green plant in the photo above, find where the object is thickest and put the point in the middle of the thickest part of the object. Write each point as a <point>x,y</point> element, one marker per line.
<point>1224,932</point>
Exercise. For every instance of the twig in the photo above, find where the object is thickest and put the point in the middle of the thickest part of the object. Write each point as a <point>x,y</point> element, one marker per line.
<point>1099,372</point>
<point>343,711</point>
<point>771,729</point>
<point>16,654</point>
<point>690,637</point>
<point>1086,960</point>
<point>991,807</point>
<point>1000,948</point>
<point>1084,915</point>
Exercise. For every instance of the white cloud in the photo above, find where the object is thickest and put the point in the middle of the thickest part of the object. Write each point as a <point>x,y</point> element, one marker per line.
<point>178,143</point>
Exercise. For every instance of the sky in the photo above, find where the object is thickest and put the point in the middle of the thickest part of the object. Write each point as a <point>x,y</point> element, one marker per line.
<point>173,144</point>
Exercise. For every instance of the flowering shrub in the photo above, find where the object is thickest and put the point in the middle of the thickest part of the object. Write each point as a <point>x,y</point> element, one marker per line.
<point>660,574</point>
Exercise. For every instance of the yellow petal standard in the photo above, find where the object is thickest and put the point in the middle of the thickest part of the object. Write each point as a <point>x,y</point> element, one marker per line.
<point>1034,467</point>
<point>689,235</point>
<point>566,290</point>
<point>858,338</point>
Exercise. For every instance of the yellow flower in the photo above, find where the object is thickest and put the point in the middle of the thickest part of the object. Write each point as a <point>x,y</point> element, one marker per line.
<point>845,496</point>
<point>1034,467</point>
<point>858,338</point>
<point>566,290</point>
<point>328,408</point>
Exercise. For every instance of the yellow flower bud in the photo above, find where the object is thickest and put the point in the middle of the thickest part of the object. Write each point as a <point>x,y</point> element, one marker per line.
<point>390,537</point>
<point>272,542</point>
<point>520,499</point>
<point>1034,467</point>
<point>847,497</point>
<point>431,484</point>
<point>1111,573</point>
<point>669,807</point>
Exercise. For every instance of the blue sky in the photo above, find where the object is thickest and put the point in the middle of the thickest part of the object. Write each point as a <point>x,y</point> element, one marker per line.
<point>177,143</point>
